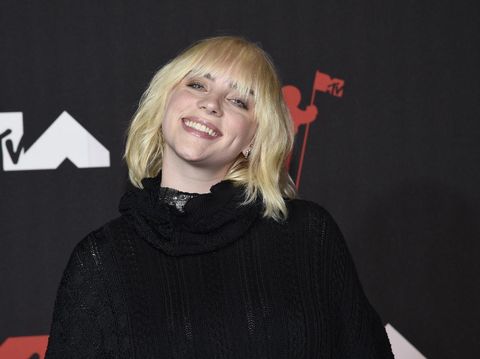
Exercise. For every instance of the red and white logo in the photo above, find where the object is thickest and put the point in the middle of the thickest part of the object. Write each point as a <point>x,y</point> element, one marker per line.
<point>292,95</point>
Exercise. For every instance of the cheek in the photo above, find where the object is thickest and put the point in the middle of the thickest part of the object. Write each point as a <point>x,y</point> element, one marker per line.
<point>247,126</point>
<point>177,102</point>
<point>244,129</point>
<point>169,118</point>
<point>173,110</point>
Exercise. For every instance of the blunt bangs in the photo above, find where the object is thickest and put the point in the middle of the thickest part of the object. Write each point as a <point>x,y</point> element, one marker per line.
<point>235,59</point>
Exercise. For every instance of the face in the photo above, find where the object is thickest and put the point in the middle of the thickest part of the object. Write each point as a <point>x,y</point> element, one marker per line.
<point>207,123</point>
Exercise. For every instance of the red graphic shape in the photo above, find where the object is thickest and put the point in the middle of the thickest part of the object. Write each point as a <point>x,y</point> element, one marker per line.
<point>292,95</point>
<point>324,83</point>
<point>292,98</point>
<point>24,347</point>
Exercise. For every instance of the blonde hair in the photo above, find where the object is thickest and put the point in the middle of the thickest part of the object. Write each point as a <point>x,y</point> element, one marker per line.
<point>264,172</point>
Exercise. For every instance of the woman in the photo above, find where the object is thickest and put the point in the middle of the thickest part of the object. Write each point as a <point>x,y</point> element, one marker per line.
<point>212,255</point>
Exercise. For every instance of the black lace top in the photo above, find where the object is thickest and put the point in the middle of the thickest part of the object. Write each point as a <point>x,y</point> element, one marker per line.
<point>212,279</point>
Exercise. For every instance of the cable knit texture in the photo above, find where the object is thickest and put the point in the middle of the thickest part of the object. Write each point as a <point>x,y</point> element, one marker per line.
<point>214,281</point>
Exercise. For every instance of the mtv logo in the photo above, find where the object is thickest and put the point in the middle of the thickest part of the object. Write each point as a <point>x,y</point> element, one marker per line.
<point>401,347</point>
<point>64,139</point>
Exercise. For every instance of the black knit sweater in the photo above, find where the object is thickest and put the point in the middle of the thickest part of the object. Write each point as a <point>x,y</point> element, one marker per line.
<point>214,281</point>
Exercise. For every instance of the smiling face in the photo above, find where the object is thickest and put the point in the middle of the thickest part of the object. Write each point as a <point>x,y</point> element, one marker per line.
<point>207,123</point>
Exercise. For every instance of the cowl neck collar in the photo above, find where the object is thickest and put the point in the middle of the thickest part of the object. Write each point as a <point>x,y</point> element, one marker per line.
<point>209,221</point>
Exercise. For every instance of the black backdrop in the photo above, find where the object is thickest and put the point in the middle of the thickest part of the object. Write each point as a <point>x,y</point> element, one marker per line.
<point>395,159</point>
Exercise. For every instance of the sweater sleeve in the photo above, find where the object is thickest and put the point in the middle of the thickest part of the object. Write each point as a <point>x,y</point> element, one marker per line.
<point>81,325</point>
<point>361,332</point>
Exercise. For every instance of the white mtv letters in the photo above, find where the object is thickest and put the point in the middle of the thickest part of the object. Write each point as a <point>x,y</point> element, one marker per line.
<point>64,139</point>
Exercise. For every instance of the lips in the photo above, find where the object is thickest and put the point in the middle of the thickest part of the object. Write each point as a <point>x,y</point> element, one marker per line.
<point>203,122</point>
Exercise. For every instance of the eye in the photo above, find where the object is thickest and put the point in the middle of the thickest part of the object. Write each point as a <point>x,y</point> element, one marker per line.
<point>195,85</point>
<point>239,102</point>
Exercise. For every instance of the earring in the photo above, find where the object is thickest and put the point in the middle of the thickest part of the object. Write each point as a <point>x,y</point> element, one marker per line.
<point>246,153</point>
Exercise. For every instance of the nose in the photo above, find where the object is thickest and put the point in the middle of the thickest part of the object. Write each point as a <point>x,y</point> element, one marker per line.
<point>212,105</point>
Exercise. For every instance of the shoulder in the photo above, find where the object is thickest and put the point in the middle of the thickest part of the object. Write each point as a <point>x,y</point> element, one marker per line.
<point>302,210</point>
<point>98,244</point>
<point>326,241</point>
<point>315,223</point>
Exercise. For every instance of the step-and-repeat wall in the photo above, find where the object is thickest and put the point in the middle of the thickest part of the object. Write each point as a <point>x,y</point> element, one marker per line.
<point>384,97</point>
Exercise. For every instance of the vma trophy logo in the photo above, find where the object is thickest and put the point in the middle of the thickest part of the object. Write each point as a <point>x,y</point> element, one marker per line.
<point>302,118</point>
<point>64,139</point>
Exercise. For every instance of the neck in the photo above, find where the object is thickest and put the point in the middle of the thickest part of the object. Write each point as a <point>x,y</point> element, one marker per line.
<point>188,178</point>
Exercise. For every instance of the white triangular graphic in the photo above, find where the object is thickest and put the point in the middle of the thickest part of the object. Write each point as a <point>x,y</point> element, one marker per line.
<point>401,347</point>
<point>64,139</point>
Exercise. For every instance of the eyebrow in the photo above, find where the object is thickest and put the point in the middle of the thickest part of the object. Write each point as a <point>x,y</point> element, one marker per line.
<point>211,78</point>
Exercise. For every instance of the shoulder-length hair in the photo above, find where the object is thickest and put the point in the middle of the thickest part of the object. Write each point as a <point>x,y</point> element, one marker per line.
<point>264,172</point>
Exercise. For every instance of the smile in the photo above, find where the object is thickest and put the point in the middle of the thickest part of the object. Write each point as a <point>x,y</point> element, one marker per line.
<point>200,128</point>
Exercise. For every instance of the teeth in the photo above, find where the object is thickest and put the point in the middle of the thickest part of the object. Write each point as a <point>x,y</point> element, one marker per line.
<point>200,127</point>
